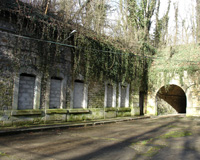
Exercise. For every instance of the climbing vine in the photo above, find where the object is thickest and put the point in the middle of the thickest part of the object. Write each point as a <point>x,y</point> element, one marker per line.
<point>174,61</point>
<point>95,56</point>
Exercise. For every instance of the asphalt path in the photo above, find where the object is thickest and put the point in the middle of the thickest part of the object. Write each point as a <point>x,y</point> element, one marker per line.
<point>158,138</point>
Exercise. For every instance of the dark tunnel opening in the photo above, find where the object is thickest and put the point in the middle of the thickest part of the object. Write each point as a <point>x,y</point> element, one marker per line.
<point>170,100</point>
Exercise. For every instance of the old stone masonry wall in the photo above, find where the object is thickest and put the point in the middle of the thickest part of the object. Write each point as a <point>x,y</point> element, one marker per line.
<point>180,96</point>
<point>31,79</point>
<point>37,86</point>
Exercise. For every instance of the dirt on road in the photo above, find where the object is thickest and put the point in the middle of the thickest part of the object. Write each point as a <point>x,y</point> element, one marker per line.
<point>159,138</point>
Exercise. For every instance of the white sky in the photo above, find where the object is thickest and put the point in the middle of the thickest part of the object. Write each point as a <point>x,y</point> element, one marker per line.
<point>186,9</point>
<point>186,12</point>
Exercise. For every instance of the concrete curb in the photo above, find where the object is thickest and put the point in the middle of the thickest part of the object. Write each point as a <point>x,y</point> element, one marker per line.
<point>67,126</point>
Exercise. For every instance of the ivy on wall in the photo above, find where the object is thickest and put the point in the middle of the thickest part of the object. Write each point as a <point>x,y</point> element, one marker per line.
<point>173,61</point>
<point>96,57</point>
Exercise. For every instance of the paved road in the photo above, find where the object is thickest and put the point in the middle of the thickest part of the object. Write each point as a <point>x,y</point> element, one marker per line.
<point>164,138</point>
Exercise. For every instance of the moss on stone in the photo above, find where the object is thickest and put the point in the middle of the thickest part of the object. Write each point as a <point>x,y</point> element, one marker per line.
<point>38,120</point>
<point>123,114</point>
<point>7,123</point>
<point>135,111</point>
<point>107,109</point>
<point>110,114</point>
<point>76,117</point>
<point>23,123</point>
<point>76,111</point>
<point>26,112</point>
<point>124,109</point>
<point>3,154</point>
<point>56,111</point>
<point>96,109</point>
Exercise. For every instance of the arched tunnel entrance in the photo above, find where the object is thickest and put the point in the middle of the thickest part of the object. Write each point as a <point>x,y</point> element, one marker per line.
<point>170,100</point>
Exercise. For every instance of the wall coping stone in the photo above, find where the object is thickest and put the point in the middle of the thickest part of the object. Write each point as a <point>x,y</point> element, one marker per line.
<point>77,111</point>
<point>108,109</point>
<point>26,112</point>
<point>124,109</point>
<point>56,111</point>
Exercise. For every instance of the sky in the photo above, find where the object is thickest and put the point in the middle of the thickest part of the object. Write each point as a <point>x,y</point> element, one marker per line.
<point>186,12</point>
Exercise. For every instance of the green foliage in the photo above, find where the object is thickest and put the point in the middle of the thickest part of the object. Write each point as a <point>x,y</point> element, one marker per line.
<point>96,57</point>
<point>99,60</point>
<point>3,154</point>
<point>171,61</point>
<point>110,109</point>
<point>175,134</point>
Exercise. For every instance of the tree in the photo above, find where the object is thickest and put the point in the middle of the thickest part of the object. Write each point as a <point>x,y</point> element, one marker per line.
<point>176,24</point>
<point>91,14</point>
<point>161,28</point>
<point>198,20</point>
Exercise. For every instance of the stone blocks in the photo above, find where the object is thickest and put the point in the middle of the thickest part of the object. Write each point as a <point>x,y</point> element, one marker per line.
<point>55,93</point>
<point>26,92</point>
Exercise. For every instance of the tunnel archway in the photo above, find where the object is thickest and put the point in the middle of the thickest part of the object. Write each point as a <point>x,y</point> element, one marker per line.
<point>170,100</point>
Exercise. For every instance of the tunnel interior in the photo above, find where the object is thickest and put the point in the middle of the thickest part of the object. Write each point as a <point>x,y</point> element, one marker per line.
<point>170,100</point>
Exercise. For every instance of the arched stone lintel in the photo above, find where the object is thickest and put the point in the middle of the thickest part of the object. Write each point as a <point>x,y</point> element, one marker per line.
<point>171,100</point>
<point>185,86</point>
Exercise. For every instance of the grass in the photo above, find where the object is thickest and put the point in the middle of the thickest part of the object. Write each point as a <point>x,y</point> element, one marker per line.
<point>3,154</point>
<point>153,151</point>
<point>175,134</point>
<point>149,148</point>
<point>143,142</point>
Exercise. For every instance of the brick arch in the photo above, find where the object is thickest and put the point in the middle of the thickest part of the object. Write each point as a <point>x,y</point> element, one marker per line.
<point>171,99</point>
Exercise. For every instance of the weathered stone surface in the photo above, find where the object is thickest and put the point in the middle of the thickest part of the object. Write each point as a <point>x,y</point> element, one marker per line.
<point>78,95</point>
<point>35,79</point>
<point>188,87</point>
<point>109,95</point>
<point>56,111</point>
<point>110,114</point>
<point>26,112</point>
<point>96,95</point>
<point>26,92</point>
<point>55,117</point>
<point>135,111</point>
<point>55,93</point>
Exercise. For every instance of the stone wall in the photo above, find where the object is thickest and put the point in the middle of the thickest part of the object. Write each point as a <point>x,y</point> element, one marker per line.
<point>36,84</point>
<point>96,92</point>
<point>189,84</point>
<point>164,108</point>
